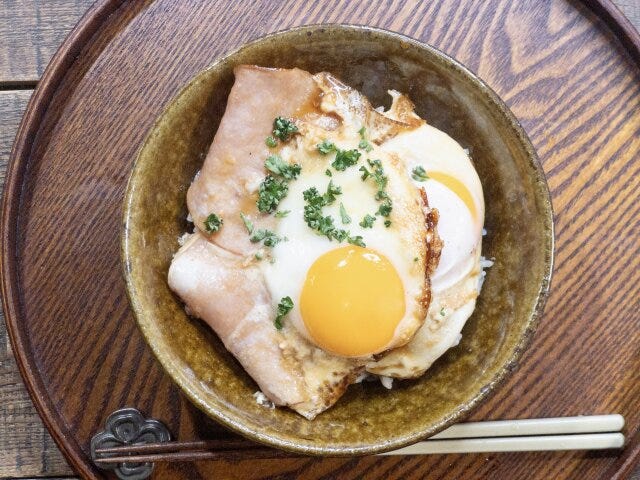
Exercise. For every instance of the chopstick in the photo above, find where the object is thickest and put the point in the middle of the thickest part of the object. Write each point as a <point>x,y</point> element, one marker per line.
<point>584,441</point>
<point>564,433</point>
<point>534,426</point>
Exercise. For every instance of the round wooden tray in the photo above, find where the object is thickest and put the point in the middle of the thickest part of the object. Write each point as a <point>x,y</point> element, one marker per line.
<point>569,71</point>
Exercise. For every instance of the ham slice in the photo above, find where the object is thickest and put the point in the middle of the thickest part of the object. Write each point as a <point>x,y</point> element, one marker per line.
<point>234,166</point>
<point>234,301</point>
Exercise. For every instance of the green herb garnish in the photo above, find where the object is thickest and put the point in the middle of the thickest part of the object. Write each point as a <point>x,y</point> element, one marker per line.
<point>356,241</point>
<point>324,224</point>
<point>387,223</point>
<point>283,128</point>
<point>346,219</point>
<point>213,223</point>
<point>313,211</point>
<point>271,142</point>
<point>364,144</point>
<point>442,312</point>
<point>326,146</point>
<point>340,235</point>
<point>419,174</point>
<point>345,158</point>
<point>284,307</point>
<point>377,174</point>
<point>328,173</point>
<point>282,213</point>
<point>275,164</point>
<point>332,191</point>
<point>367,221</point>
<point>271,191</point>
<point>267,237</point>
<point>247,223</point>
<point>259,256</point>
<point>385,208</point>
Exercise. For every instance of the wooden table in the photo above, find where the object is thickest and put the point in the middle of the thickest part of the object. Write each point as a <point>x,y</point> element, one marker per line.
<point>30,32</point>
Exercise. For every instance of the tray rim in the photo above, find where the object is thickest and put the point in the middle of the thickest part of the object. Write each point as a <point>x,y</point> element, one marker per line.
<point>66,55</point>
<point>88,25</point>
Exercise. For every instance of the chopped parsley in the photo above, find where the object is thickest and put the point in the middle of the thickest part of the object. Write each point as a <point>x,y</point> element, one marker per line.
<point>213,223</point>
<point>276,165</point>
<point>385,208</point>
<point>284,307</point>
<point>346,219</point>
<point>377,174</point>
<point>345,158</point>
<point>340,235</point>
<point>367,221</point>
<point>247,223</point>
<point>283,128</point>
<point>328,173</point>
<point>326,146</point>
<point>318,222</point>
<point>325,224</point>
<point>313,215</point>
<point>312,197</point>
<point>419,174</point>
<point>271,142</point>
<point>282,213</point>
<point>364,144</point>
<point>259,255</point>
<point>332,191</point>
<point>415,259</point>
<point>357,240</point>
<point>442,312</point>
<point>271,191</point>
<point>267,237</point>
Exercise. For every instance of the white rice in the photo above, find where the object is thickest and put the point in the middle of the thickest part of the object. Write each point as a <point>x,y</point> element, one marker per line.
<point>262,400</point>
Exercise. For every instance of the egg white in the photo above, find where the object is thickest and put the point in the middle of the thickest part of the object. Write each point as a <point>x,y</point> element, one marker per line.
<point>461,233</point>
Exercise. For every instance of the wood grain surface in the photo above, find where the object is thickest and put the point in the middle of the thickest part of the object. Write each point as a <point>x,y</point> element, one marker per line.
<point>30,33</point>
<point>555,65</point>
<point>26,448</point>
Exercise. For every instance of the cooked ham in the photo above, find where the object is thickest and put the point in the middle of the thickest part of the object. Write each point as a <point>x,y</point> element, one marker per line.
<point>234,167</point>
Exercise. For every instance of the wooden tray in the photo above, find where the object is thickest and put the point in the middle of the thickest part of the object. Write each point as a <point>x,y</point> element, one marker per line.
<point>569,71</point>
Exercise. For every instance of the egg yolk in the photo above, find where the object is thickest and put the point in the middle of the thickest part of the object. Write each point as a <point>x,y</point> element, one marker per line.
<point>457,187</point>
<point>352,301</point>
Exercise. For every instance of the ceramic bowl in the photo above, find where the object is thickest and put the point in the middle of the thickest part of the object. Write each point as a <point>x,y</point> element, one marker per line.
<point>519,224</point>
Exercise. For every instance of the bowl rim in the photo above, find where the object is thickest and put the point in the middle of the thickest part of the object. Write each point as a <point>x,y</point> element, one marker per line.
<point>309,447</point>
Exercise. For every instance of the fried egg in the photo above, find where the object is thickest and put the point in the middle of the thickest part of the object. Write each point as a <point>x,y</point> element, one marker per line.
<point>454,189</point>
<point>351,300</point>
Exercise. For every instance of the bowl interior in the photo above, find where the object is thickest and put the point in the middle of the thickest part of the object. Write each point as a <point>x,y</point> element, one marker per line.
<point>519,236</point>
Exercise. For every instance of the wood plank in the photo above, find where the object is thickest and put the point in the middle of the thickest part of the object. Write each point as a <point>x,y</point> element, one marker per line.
<point>26,448</point>
<point>30,33</point>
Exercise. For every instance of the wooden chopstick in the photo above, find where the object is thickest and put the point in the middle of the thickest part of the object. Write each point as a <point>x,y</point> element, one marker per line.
<point>564,433</point>
<point>239,444</point>
<point>187,456</point>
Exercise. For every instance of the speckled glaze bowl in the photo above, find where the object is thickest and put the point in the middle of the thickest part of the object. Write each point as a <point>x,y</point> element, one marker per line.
<point>519,222</point>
